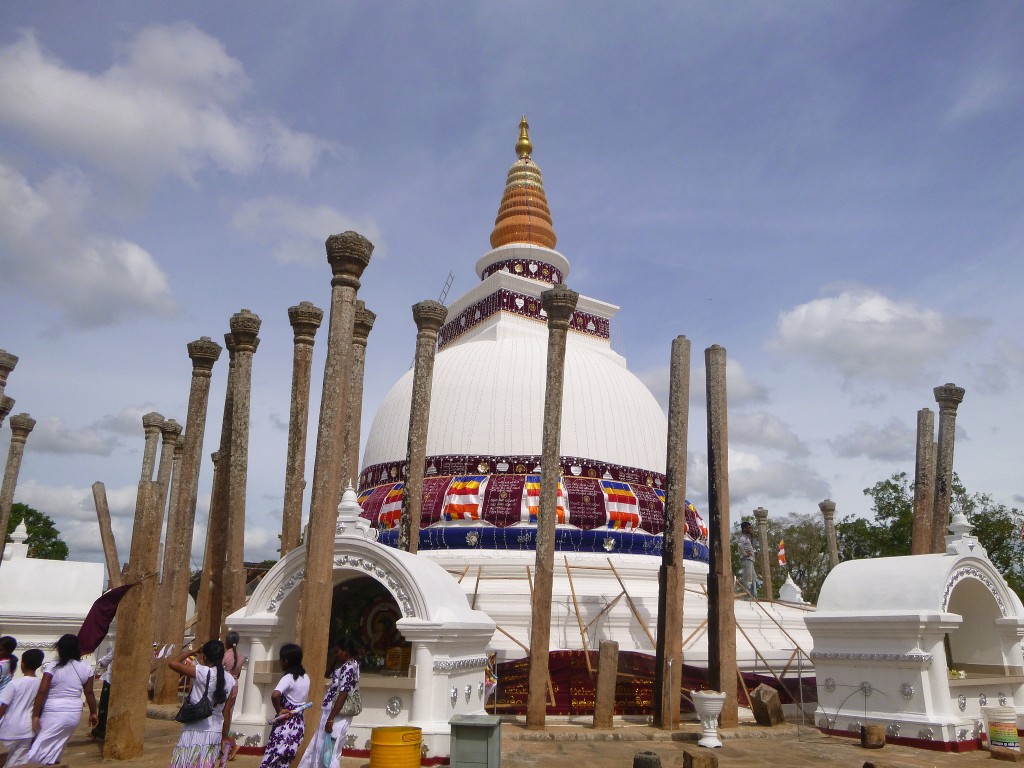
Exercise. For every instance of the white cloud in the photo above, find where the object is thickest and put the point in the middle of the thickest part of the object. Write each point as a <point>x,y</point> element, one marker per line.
<point>765,430</point>
<point>741,388</point>
<point>127,422</point>
<point>47,249</point>
<point>892,441</point>
<point>52,435</point>
<point>754,481</point>
<point>980,92</point>
<point>867,335</point>
<point>296,233</point>
<point>170,104</point>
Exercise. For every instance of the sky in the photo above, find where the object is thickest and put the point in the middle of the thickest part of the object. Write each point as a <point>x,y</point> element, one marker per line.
<point>831,191</point>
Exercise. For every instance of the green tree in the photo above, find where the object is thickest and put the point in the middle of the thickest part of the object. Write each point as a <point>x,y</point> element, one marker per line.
<point>806,552</point>
<point>44,541</point>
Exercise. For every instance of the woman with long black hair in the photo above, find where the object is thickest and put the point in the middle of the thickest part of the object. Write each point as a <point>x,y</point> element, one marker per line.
<point>201,742</point>
<point>291,692</point>
<point>58,704</point>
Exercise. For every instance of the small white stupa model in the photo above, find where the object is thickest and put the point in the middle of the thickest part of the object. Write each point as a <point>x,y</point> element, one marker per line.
<point>920,644</point>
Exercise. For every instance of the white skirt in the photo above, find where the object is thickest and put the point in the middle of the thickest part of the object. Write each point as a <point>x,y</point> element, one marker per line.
<point>55,728</point>
<point>311,758</point>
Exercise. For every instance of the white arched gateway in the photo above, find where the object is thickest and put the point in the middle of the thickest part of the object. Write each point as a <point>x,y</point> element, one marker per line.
<point>427,648</point>
<point>918,644</point>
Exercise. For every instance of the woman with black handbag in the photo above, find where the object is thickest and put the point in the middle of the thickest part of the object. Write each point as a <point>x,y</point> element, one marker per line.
<point>341,703</point>
<point>206,714</point>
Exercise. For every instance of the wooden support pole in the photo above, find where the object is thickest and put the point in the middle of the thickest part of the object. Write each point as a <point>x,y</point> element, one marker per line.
<point>99,496</point>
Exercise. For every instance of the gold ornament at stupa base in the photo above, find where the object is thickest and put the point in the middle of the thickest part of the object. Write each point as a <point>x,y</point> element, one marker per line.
<point>524,216</point>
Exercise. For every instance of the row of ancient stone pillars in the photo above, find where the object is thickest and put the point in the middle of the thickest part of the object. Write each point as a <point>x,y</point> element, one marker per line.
<point>21,426</point>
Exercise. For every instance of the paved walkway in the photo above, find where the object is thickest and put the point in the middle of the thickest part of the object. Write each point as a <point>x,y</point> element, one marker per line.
<point>579,746</point>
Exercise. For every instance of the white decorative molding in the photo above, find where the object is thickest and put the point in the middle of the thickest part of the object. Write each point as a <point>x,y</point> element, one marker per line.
<point>894,658</point>
<point>285,588</point>
<point>447,666</point>
<point>972,572</point>
<point>384,575</point>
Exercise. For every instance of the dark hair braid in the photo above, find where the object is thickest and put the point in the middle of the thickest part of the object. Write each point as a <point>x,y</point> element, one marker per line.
<point>213,652</point>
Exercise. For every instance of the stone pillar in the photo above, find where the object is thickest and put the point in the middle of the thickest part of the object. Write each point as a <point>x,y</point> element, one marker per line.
<point>948,396</point>
<point>429,317</point>
<point>244,327</point>
<point>924,484</point>
<point>210,603</point>
<point>7,363</point>
<point>767,588</point>
<point>151,424</point>
<point>305,319</point>
<point>353,426</point>
<point>172,502</point>
<point>6,405</point>
<point>203,352</point>
<point>21,425</point>
<point>668,663</point>
<point>559,302</point>
<point>721,588</point>
<point>828,511</point>
<point>170,431</point>
<point>99,497</point>
<point>129,681</point>
<point>348,254</point>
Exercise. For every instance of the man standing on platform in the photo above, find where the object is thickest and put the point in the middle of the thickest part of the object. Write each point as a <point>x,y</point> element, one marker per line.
<point>745,541</point>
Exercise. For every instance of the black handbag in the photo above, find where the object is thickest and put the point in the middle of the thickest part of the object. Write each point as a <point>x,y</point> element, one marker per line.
<point>193,711</point>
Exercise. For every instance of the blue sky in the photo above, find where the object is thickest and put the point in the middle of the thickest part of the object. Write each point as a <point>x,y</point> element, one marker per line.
<point>831,191</point>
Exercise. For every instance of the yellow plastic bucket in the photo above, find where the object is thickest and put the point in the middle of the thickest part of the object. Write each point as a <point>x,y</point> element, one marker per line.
<point>395,747</point>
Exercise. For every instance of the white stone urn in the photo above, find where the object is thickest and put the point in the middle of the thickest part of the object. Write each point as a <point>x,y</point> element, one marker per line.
<point>709,706</point>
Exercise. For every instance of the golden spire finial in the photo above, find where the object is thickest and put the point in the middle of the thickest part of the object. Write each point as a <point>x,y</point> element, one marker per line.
<point>524,146</point>
<point>524,216</point>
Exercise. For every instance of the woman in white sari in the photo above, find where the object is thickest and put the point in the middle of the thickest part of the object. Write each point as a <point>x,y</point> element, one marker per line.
<point>58,705</point>
<point>343,669</point>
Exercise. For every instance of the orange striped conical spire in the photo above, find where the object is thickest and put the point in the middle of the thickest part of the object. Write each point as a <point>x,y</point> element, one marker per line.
<point>524,216</point>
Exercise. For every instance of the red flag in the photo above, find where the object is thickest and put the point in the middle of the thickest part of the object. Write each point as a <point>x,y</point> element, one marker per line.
<point>782,552</point>
<point>97,621</point>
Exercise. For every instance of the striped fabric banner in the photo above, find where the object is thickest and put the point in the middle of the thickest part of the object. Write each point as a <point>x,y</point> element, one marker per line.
<point>621,505</point>
<point>463,499</point>
<point>391,509</point>
<point>531,501</point>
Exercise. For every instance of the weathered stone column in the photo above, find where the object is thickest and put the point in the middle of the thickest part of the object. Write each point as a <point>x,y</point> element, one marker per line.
<point>170,431</point>
<point>722,670</point>
<point>126,718</point>
<point>305,319</point>
<point>99,497</point>
<point>559,302</point>
<point>924,484</point>
<point>21,426</point>
<point>244,327</point>
<point>7,364</point>
<point>348,255</point>
<point>210,602</point>
<point>203,352</point>
<point>6,406</point>
<point>828,511</point>
<point>767,588</point>
<point>948,396</point>
<point>172,502</point>
<point>668,665</point>
<point>353,426</point>
<point>151,424</point>
<point>429,317</point>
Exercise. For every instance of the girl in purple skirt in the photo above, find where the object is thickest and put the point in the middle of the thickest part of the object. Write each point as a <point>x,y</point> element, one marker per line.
<point>291,692</point>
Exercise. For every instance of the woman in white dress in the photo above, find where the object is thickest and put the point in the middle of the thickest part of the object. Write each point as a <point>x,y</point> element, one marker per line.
<point>201,743</point>
<point>58,705</point>
<point>343,669</point>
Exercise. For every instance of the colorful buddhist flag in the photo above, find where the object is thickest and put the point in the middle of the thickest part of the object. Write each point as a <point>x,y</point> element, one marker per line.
<point>531,501</point>
<point>462,501</point>
<point>621,505</point>
<point>782,552</point>
<point>391,509</point>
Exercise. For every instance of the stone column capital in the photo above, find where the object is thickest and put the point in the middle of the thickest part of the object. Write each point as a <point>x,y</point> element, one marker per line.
<point>305,318</point>
<point>152,422</point>
<point>429,315</point>
<point>949,396</point>
<point>7,363</point>
<point>762,515</point>
<point>348,254</point>
<point>179,447</point>
<point>204,352</point>
<point>363,324</point>
<point>6,406</point>
<point>170,430</point>
<point>229,345</point>
<point>21,425</point>
<point>827,507</point>
<point>244,327</point>
<point>559,303</point>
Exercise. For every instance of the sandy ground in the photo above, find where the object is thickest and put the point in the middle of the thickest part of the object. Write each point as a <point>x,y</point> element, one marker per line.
<point>748,746</point>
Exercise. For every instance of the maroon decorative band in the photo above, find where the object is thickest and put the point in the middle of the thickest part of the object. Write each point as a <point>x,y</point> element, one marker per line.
<point>535,270</point>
